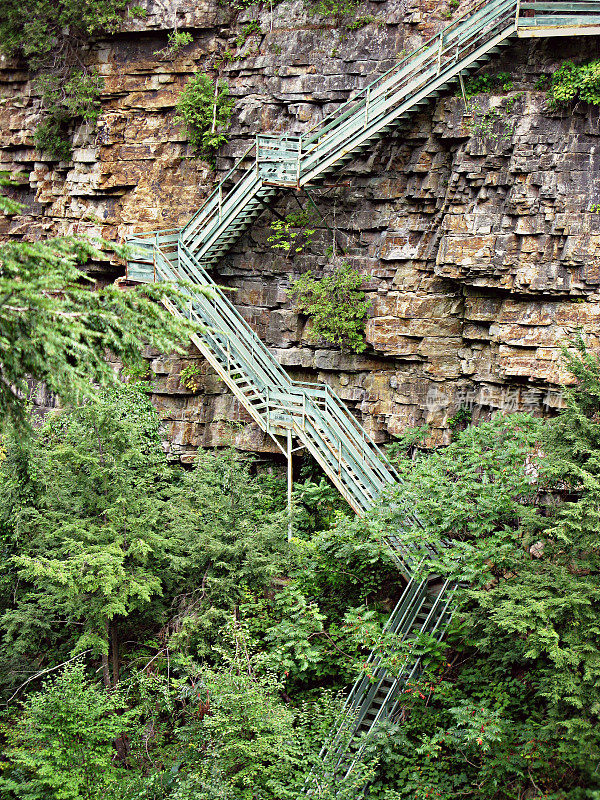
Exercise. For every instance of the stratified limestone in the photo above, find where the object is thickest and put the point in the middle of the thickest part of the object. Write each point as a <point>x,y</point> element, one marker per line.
<point>474,231</point>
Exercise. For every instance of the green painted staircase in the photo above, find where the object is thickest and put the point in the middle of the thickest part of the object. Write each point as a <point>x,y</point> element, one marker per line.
<point>424,608</point>
<point>312,414</point>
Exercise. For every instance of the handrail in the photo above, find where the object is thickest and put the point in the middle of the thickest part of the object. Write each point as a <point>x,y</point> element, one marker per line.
<point>313,413</point>
<point>340,407</point>
<point>221,183</point>
<point>299,403</point>
<point>339,112</point>
<point>433,63</point>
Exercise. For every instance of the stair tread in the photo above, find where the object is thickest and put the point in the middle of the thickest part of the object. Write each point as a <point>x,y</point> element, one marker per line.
<point>359,475</point>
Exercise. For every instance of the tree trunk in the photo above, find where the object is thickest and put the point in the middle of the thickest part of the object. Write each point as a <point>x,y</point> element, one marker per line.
<point>114,648</point>
<point>105,669</point>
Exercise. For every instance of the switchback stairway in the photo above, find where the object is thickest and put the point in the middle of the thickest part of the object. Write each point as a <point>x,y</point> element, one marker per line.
<point>312,414</point>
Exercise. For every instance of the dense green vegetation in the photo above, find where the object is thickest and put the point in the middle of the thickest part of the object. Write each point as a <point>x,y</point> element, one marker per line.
<point>55,328</point>
<point>336,306</point>
<point>575,82</point>
<point>161,640</point>
<point>164,581</point>
<point>50,36</point>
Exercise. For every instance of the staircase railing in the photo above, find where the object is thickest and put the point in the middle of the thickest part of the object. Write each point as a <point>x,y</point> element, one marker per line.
<point>314,414</point>
<point>415,79</point>
<point>377,695</point>
<point>317,417</point>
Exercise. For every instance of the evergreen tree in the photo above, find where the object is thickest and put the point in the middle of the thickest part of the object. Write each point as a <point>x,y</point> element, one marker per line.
<point>92,543</point>
<point>56,326</point>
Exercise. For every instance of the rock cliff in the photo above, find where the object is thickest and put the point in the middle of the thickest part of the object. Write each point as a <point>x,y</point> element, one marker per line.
<point>472,226</point>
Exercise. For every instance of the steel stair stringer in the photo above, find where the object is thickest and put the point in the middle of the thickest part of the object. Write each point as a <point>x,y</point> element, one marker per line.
<point>313,414</point>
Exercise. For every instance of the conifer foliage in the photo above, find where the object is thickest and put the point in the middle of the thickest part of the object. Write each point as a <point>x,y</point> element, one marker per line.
<point>190,653</point>
<point>55,328</point>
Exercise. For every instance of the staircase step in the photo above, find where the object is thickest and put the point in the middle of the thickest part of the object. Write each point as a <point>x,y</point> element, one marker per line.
<point>358,478</point>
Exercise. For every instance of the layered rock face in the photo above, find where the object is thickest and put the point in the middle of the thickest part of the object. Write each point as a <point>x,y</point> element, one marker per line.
<point>473,227</point>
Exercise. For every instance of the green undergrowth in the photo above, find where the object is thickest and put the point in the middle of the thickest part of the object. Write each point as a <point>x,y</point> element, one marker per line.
<point>166,643</point>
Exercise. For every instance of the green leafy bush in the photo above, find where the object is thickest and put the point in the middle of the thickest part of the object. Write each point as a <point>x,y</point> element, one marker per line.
<point>336,306</point>
<point>63,743</point>
<point>571,82</point>
<point>64,103</point>
<point>205,107</point>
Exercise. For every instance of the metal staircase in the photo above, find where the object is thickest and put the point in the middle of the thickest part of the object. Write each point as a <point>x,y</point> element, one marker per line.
<point>275,162</point>
<point>423,609</point>
<point>312,414</point>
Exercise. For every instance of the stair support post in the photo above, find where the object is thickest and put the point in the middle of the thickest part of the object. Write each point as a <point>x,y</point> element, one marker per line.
<point>268,410</point>
<point>464,94</point>
<point>290,483</point>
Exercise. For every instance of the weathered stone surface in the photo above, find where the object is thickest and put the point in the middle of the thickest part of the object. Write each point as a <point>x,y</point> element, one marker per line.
<point>476,240</point>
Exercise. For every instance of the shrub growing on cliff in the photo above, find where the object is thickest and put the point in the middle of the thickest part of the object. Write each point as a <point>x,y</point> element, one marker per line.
<point>205,107</point>
<point>336,305</point>
<point>49,36</point>
<point>36,29</point>
<point>571,82</point>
